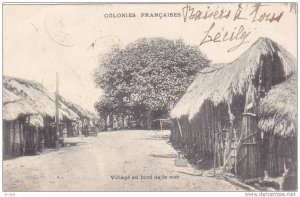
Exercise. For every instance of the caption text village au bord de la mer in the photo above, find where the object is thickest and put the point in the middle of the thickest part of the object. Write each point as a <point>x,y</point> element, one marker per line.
<point>255,13</point>
<point>143,177</point>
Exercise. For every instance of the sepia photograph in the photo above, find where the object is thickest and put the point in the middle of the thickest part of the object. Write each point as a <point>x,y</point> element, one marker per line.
<point>150,97</point>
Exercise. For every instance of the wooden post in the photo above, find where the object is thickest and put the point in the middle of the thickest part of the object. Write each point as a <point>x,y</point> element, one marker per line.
<point>160,122</point>
<point>82,126</point>
<point>222,142</point>
<point>213,129</point>
<point>14,136</point>
<point>235,152</point>
<point>250,165</point>
<point>57,112</point>
<point>179,128</point>
<point>215,153</point>
<point>25,134</point>
<point>21,128</point>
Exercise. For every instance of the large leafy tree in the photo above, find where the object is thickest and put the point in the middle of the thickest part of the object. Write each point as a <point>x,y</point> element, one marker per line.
<point>148,74</point>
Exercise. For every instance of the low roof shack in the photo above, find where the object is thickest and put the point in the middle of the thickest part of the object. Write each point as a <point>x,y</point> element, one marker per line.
<point>217,98</point>
<point>86,117</point>
<point>26,104</point>
<point>278,122</point>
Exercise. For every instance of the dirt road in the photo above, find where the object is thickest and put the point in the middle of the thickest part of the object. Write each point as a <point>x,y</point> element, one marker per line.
<point>113,161</point>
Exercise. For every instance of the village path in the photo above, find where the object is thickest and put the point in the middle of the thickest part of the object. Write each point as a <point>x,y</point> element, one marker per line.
<point>90,165</point>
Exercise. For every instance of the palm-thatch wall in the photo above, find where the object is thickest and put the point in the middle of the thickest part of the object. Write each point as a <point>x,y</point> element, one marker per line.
<point>211,111</point>
<point>28,111</point>
<point>278,121</point>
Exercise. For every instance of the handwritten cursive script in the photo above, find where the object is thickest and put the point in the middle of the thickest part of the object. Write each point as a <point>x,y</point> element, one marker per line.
<point>221,36</point>
<point>255,14</point>
<point>190,13</point>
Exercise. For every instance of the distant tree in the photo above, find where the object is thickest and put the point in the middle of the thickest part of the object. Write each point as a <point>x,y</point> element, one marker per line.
<point>148,74</point>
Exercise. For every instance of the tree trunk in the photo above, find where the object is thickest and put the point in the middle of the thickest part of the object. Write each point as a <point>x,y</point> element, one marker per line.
<point>117,122</point>
<point>110,121</point>
<point>122,118</point>
<point>105,124</point>
<point>149,117</point>
<point>138,123</point>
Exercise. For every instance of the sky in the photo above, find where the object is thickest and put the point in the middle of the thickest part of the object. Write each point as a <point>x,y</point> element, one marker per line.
<point>40,40</point>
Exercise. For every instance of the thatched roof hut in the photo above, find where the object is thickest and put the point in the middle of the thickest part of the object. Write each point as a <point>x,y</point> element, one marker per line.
<point>278,122</point>
<point>25,97</point>
<point>278,111</point>
<point>220,82</point>
<point>28,117</point>
<point>222,103</point>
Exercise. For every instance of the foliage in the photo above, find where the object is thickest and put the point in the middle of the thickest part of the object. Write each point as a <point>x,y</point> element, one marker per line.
<point>151,73</point>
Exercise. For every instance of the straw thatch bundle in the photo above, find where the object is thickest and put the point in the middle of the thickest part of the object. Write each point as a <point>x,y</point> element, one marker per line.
<point>82,113</point>
<point>13,105</point>
<point>24,97</point>
<point>278,110</point>
<point>220,82</point>
<point>9,97</point>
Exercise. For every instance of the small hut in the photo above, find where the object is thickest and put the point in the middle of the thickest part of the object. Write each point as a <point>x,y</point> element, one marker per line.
<point>20,123</point>
<point>82,125</point>
<point>216,119</point>
<point>278,123</point>
<point>28,111</point>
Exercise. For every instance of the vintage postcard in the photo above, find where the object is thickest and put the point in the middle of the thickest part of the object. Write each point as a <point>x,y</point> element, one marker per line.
<point>150,97</point>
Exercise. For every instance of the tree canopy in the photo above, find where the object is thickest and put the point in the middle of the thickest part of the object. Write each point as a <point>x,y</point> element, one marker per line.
<point>150,73</point>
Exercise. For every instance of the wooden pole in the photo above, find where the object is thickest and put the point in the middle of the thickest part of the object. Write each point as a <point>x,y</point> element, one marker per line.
<point>235,152</point>
<point>14,136</point>
<point>215,152</point>
<point>179,128</point>
<point>213,128</point>
<point>21,128</point>
<point>57,112</point>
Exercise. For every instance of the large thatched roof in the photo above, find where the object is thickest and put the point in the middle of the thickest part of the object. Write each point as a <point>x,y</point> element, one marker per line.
<point>278,110</point>
<point>220,82</point>
<point>28,97</point>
